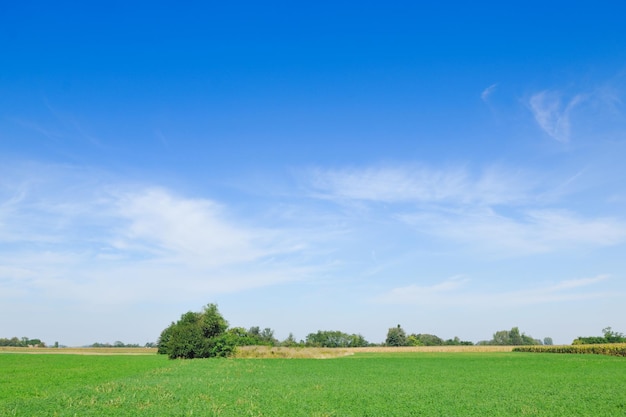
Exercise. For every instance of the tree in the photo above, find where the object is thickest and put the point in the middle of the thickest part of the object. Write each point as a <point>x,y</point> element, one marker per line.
<point>501,337</point>
<point>515,337</point>
<point>609,337</point>
<point>413,340</point>
<point>396,337</point>
<point>22,342</point>
<point>613,337</point>
<point>197,335</point>
<point>458,342</point>
<point>511,337</point>
<point>267,337</point>
<point>334,338</point>
<point>548,341</point>
<point>429,340</point>
<point>290,341</point>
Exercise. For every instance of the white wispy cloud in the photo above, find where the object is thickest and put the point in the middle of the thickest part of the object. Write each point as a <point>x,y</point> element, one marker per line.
<point>414,183</point>
<point>499,211</point>
<point>457,291</point>
<point>116,243</point>
<point>528,232</point>
<point>416,293</point>
<point>488,92</point>
<point>193,229</point>
<point>553,113</point>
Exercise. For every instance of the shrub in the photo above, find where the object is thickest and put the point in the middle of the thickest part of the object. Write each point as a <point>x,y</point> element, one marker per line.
<point>197,335</point>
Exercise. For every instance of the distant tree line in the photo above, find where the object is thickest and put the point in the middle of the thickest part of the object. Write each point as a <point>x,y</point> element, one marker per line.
<point>21,342</point>
<point>335,338</point>
<point>609,336</point>
<point>396,336</point>
<point>206,334</point>
<point>119,344</point>
<point>513,337</point>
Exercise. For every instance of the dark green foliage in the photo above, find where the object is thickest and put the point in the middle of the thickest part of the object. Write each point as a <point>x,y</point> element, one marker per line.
<point>609,337</point>
<point>23,342</point>
<point>117,344</point>
<point>252,337</point>
<point>290,341</point>
<point>511,337</point>
<point>396,337</point>
<point>263,337</point>
<point>424,339</point>
<point>197,335</point>
<point>334,338</point>
<point>458,342</point>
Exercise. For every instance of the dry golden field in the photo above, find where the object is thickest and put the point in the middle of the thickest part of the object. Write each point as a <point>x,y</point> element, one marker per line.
<point>322,353</point>
<point>80,351</point>
<point>266,351</point>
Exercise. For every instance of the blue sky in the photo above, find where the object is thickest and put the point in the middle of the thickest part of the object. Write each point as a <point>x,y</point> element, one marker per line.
<point>346,166</point>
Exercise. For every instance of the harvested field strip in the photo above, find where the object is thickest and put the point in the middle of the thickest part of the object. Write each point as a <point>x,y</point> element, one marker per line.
<point>80,351</point>
<point>324,353</point>
<point>267,351</point>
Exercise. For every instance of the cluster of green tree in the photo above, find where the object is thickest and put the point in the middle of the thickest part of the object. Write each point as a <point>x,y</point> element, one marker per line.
<point>396,336</point>
<point>254,336</point>
<point>206,334</point>
<point>513,337</point>
<point>118,344</point>
<point>609,337</point>
<point>334,338</point>
<point>197,335</point>
<point>22,342</point>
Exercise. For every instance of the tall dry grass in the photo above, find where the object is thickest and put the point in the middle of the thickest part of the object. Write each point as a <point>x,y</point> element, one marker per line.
<point>324,353</point>
<point>266,351</point>
<point>80,351</point>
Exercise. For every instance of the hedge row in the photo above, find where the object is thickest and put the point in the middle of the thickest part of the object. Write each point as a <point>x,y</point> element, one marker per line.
<point>612,349</point>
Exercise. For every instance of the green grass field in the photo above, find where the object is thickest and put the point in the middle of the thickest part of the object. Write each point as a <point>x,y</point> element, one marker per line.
<point>366,384</point>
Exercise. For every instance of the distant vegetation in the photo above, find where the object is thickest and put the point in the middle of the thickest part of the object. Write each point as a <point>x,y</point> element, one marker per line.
<point>611,349</point>
<point>119,344</point>
<point>609,337</point>
<point>23,342</point>
<point>206,334</point>
<point>396,336</point>
<point>197,335</point>
<point>512,337</point>
<point>335,338</point>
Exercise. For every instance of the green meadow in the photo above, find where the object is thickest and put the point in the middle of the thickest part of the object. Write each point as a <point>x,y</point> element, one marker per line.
<point>363,384</point>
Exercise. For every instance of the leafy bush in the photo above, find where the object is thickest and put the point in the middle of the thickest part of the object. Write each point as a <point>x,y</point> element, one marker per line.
<point>609,337</point>
<point>197,335</point>
<point>23,342</point>
<point>396,337</point>
<point>511,337</point>
<point>334,338</point>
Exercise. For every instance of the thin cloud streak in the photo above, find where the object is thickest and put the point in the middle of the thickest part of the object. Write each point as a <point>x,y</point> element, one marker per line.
<point>456,292</point>
<point>456,185</point>
<point>552,115</point>
<point>487,92</point>
<point>127,243</point>
<point>530,232</point>
<point>499,212</point>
